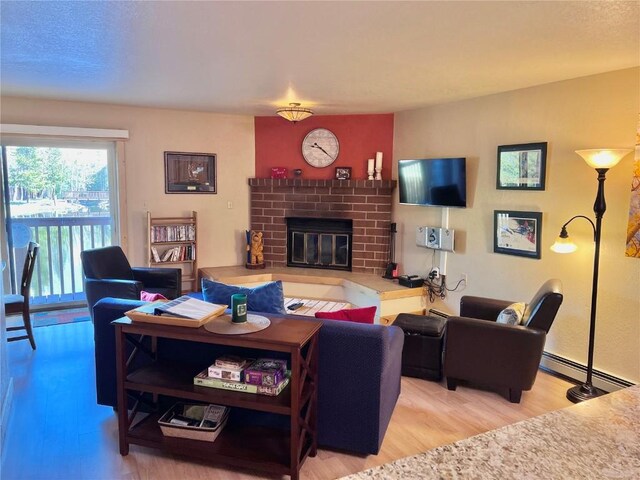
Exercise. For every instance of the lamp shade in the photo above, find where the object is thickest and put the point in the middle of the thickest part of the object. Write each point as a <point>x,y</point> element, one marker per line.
<point>294,112</point>
<point>563,245</point>
<point>603,157</point>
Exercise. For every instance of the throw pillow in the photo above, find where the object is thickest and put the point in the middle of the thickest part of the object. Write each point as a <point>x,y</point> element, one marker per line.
<point>512,315</point>
<point>358,315</point>
<point>151,297</point>
<point>267,298</point>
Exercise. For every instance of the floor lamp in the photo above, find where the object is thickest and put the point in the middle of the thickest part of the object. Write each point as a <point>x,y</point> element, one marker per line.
<point>602,160</point>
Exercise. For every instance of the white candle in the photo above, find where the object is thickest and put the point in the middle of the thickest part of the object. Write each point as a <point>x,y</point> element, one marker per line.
<point>378,159</point>
<point>370,165</point>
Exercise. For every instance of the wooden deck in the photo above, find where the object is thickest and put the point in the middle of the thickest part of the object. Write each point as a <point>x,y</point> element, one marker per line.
<point>351,288</point>
<point>385,289</point>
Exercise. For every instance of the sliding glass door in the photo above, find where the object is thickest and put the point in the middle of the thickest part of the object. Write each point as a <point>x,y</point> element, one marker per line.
<point>61,195</point>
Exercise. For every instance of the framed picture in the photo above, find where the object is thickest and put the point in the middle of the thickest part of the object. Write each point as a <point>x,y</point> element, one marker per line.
<point>522,167</point>
<point>189,172</point>
<point>517,233</point>
<point>343,173</point>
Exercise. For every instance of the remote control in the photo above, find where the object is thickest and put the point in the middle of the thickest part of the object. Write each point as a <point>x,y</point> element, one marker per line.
<point>295,306</point>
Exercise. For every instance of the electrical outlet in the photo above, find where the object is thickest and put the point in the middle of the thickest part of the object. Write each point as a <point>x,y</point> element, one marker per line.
<point>435,273</point>
<point>464,279</point>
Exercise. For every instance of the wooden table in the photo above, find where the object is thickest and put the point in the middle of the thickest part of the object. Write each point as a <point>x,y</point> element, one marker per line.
<point>263,448</point>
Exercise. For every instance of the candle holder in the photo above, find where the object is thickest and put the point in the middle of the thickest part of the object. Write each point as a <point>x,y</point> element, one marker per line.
<point>370,172</point>
<point>378,174</point>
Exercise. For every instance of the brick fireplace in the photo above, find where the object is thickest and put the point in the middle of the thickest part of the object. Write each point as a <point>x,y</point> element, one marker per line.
<point>367,203</point>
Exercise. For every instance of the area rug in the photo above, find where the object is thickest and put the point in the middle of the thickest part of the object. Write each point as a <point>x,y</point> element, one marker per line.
<point>52,317</point>
<point>597,439</point>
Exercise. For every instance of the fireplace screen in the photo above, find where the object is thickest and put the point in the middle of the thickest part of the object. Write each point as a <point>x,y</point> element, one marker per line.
<point>319,243</point>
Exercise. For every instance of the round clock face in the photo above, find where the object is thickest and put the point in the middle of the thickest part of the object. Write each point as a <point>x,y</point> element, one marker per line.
<point>320,148</point>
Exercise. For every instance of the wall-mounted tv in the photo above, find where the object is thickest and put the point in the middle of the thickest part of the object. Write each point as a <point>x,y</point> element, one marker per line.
<point>436,182</point>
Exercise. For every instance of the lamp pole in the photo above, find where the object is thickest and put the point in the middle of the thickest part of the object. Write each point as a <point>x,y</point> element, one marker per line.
<point>602,160</point>
<point>587,391</point>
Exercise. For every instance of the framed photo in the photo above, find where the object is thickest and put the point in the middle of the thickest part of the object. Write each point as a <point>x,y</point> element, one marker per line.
<point>522,167</point>
<point>343,173</point>
<point>189,172</point>
<point>517,233</point>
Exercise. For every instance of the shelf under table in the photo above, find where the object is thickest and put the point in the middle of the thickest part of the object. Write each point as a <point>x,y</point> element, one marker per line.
<point>263,448</point>
<point>176,380</point>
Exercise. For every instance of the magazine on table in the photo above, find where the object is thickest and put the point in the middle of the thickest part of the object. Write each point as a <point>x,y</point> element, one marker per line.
<point>150,313</point>
<point>189,307</point>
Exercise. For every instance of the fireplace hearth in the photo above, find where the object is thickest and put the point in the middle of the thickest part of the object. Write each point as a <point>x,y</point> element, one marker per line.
<point>319,243</point>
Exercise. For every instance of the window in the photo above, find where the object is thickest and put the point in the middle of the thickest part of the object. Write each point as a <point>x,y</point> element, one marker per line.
<point>61,194</point>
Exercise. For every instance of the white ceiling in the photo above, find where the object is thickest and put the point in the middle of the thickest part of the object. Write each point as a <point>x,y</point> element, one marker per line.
<point>335,57</point>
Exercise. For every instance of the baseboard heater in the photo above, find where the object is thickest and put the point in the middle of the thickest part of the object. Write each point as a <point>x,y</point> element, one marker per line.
<point>568,369</point>
<point>571,370</point>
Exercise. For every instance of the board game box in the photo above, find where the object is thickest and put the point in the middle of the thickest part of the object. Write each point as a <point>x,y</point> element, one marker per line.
<point>266,372</point>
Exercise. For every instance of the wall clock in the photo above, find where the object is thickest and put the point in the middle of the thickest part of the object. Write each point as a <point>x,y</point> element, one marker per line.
<point>320,148</point>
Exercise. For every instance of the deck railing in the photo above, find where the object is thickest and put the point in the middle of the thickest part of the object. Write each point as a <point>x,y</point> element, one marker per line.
<point>57,276</point>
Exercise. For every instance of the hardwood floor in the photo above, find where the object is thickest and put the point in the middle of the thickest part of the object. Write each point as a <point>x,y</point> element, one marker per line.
<point>57,431</point>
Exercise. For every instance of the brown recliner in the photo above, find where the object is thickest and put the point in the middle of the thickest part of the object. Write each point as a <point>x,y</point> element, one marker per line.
<point>483,352</point>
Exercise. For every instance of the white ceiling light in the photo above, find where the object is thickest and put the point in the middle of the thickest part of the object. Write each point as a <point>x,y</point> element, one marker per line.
<point>294,112</point>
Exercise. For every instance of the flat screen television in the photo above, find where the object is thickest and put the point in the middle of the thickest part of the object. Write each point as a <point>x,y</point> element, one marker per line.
<point>436,182</point>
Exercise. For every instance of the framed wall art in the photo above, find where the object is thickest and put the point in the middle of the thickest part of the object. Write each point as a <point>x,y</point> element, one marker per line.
<point>189,172</point>
<point>343,173</point>
<point>517,233</point>
<point>522,167</point>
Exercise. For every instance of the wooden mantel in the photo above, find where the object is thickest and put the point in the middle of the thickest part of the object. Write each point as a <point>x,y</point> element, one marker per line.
<point>303,182</point>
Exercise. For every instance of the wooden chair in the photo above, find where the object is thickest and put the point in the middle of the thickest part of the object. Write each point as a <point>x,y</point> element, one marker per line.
<point>19,304</point>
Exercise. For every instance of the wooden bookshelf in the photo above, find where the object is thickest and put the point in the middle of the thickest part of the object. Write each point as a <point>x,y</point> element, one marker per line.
<point>175,241</point>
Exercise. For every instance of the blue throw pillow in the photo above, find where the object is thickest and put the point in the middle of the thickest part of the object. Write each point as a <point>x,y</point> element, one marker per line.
<point>267,298</point>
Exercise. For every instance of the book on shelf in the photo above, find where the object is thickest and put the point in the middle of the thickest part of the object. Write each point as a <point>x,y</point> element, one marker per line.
<point>175,254</point>
<point>265,371</point>
<point>203,380</point>
<point>148,313</point>
<point>155,254</point>
<point>173,233</point>
<point>167,255</point>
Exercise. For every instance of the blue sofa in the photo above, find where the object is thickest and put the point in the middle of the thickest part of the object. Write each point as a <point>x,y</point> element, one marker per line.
<point>358,384</point>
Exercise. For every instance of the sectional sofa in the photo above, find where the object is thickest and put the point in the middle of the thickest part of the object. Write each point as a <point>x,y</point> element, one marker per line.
<point>358,374</point>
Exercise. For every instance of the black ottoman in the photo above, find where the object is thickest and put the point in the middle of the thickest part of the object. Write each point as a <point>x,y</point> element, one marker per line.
<point>423,340</point>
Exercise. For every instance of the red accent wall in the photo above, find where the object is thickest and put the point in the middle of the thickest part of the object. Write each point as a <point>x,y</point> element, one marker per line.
<point>279,144</point>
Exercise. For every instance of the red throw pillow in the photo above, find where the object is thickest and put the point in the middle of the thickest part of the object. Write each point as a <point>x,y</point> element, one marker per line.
<point>358,315</point>
<point>151,297</point>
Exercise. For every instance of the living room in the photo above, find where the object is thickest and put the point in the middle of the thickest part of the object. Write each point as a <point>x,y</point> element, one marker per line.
<point>594,109</point>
